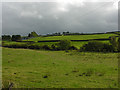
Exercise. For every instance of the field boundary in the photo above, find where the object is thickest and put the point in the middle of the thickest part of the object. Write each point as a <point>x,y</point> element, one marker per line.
<point>101,39</point>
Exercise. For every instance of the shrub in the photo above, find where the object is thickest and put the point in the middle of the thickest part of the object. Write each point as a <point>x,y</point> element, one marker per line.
<point>72,48</point>
<point>6,37</point>
<point>16,37</point>
<point>46,47</point>
<point>4,44</point>
<point>95,46</point>
<point>14,45</point>
<point>107,48</point>
<point>33,34</point>
<point>119,44</point>
<point>17,45</point>
<point>33,46</point>
<point>64,44</point>
<point>55,47</point>
<point>114,42</point>
<point>26,45</point>
<point>37,46</point>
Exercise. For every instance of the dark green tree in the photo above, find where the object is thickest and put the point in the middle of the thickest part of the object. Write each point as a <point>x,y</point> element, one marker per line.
<point>16,37</point>
<point>97,46</point>
<point>33,34</point>
<point>119,44</point>
<point>6,37</point>
<point>64,44</point>
<point>114,42</point>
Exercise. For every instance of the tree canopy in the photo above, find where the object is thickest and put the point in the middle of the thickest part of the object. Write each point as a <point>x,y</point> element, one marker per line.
<point>33,34</point>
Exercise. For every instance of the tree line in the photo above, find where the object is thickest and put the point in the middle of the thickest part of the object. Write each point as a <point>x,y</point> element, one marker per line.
<point>18,37</point>
<point>13,38</point>
<point>97,46</point>
<point>91,46</point>
<point>34,34</point>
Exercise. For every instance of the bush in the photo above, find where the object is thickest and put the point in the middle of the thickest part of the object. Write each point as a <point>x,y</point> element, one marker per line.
<point>46,47</point>
<point>17,45</point>
<point>119,44</point>
<point>26,45</point>
<point>64,44</point>
<point>72,48</point>
<point>6,37</point>
<point>34,46</point>
<point>114,42</point>
<point>16,37</point>
<point>4,45</point>
<point>14,45</point>
<point>33,34</point>
<point>95,46</point>
<point>55,47</point>
<point>107,48</point>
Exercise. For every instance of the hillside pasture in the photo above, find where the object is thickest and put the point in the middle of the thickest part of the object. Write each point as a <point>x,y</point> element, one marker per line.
<point>72,37</point>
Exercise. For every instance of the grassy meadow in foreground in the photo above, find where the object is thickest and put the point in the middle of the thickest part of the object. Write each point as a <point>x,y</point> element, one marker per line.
<point>59,69</point>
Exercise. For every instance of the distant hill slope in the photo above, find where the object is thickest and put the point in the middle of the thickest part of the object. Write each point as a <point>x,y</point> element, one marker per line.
<point>73,37</point>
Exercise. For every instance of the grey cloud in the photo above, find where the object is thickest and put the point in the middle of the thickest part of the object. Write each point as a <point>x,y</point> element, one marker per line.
<point>22,18</point>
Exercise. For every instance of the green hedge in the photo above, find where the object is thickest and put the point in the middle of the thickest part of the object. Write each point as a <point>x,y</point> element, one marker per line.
<point>63,45</point>
<point>96,46</point>
<point>54,47</point>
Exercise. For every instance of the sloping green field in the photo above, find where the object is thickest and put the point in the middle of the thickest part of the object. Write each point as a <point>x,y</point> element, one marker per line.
<point>76,44</point>
<point>73,37</point>
<point>57,69</point>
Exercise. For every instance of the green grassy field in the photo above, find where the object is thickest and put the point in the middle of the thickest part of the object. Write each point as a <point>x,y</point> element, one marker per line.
<point>57,69</point>
<point>68,37</point>
<point>73,37</point>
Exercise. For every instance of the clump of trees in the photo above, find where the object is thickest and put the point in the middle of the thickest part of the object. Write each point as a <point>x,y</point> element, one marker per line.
<point>16,38</point>
<point>62,45</point>
<point>13,38</point>
<point>26,45</point>
<point>118,44</point>
<point>33,34</point>
<point>96,46</point>
<point>6,37</point>
<point>69,33</point>
<point>115,42</point>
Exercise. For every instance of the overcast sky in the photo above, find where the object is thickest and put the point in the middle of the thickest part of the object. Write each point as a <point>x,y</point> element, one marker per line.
<point>48,17</point>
